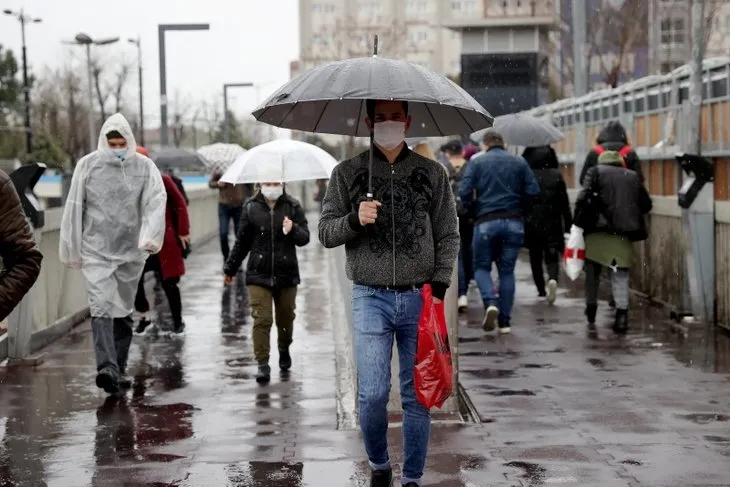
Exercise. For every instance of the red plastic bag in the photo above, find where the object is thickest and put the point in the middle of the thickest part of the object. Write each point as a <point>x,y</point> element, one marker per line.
<point>433,373</point>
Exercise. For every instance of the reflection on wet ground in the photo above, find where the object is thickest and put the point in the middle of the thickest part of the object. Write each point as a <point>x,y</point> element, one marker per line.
<point>555,407</point>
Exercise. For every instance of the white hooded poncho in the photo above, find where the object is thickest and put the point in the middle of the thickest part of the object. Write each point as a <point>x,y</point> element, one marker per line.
<point>113,219</point>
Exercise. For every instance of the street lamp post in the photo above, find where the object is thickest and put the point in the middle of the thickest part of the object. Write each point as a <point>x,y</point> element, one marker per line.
<point>138,42</point>
<point>226,130</point>
<point>161,29</point>
<point>84,40</point>
<point>23,18</point>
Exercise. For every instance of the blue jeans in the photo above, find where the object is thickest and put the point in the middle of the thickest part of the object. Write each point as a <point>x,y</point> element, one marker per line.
<point>378,316</point>
<point>498,241</point>
<point>225,214</point>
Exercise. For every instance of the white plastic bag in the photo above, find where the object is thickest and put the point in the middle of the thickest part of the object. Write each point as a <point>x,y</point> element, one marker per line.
<point>574,256</point>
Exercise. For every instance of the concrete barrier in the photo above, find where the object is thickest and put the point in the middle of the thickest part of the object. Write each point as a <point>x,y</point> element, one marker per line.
<point>59,295</point>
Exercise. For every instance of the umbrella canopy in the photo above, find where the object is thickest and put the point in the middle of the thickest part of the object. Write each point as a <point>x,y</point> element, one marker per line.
<point>179,159</point>
<point>331,98</point>
<point>525,130</point>
<point>281,160</point>
<point>220,156</point>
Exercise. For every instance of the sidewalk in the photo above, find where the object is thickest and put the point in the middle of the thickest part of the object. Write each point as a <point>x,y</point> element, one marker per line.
<point>556,408</point>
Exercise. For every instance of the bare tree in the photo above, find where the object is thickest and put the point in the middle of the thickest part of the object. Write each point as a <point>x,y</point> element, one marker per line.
<point>111,83</point>
<point>180,107</point>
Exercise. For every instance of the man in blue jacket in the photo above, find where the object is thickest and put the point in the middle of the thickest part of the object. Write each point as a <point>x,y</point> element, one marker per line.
<point>505,188</point>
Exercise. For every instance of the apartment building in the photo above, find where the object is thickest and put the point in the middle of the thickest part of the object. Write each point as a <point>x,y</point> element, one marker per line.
<point>671,32</point>
<point>407,29</point>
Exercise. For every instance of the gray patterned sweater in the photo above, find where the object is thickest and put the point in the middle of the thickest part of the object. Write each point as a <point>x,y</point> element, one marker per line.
<point>415,239</point>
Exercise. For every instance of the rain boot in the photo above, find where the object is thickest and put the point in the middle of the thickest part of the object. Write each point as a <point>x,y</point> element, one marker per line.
<point>591,310</point>
<point>263,376</point>
<point>621,322</point>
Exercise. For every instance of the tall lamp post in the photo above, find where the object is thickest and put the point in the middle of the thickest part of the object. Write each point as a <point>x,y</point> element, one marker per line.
<point>23,18</point>
<point>226,129</point>
<point>84,40</point>
<point>138,42</point>
<point>161,29</point>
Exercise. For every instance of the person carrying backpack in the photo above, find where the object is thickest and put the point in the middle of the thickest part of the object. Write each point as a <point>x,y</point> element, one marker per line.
<point>612,138</point>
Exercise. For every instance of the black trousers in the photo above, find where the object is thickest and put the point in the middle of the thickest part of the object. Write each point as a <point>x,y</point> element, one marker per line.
<point>169,286</point>
<point>550,256</point>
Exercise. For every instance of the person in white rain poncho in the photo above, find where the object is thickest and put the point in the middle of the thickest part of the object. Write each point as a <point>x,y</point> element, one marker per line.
<point>114,218</point>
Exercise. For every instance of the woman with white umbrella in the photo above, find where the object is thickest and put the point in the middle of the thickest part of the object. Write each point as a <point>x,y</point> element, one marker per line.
<point>273,225</point>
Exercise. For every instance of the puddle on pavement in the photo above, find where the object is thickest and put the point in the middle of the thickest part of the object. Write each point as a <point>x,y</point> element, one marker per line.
<point>717,439</point>
<point>491,353</point>
<point>491,373</point>
<point>537,366</point>
<point>534,473</point>
<point>510,392</point>
<point>269,474</point>
<point>705,418</point>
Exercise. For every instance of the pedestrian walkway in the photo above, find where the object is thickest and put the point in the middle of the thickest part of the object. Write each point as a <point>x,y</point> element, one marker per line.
<point>555,408</point>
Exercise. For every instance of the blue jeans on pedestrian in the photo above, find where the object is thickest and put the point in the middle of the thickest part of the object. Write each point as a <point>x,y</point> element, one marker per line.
<point>226,213</point>
<point>378,316</point>
<point>498,241</point>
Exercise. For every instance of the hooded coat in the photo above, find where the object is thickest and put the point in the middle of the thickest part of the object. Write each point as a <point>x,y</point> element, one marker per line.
<point>113,220</point>
<point>549,216</point>
<point>612,138</point>
<point>177,223</point>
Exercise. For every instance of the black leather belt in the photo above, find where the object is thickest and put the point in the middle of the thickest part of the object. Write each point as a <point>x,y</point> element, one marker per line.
<point>399,289</point>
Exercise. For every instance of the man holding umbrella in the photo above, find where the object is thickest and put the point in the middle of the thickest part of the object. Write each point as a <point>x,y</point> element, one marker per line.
<point>399,233</point>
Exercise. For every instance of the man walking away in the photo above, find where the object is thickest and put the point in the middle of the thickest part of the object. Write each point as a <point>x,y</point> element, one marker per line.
<point>610,209</point>
<point>549,219</point>
<point>453,151</point>
<point>505,189</point>
<point>113,220</point>
<point>230,205</point>
<point>273,225</point>
<point>395,243</point>
<point>20,259</point>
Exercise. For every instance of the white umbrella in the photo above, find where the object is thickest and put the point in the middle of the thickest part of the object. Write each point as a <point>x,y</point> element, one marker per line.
<point>281,160</point>
<point>221,156</point>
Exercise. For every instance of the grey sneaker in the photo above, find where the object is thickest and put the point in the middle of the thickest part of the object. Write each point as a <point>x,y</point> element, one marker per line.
<point>552,289</point>
<point>490,318</point>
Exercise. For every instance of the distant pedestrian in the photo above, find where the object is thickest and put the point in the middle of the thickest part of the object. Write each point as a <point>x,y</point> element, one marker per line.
<point>273,225</point>
<point>610,209</point>
<point>504,189</point>
<point>230,206</point>
<point>113,220</point>
<point>169,264</point>
<point>548,221</point>
<point>20,259</point>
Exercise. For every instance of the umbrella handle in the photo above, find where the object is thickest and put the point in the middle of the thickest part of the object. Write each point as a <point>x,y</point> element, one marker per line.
<point>370,166</point>
<point>375,45</point>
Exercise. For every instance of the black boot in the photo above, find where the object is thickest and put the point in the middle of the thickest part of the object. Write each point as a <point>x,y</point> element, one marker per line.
<point>381,478</point>
<point>284,360</point>
<point>591,310</point>
<point>621,322</point>
<point>263,375</point>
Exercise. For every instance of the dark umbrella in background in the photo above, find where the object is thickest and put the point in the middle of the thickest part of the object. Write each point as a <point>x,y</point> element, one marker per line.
<point>169,159</point>
<point>331,98</point>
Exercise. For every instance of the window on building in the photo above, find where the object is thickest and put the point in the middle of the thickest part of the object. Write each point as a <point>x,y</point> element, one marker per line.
<point>464,7</point>
<point>416,9</point>
<point>673,31</point>
<point>323,8</point>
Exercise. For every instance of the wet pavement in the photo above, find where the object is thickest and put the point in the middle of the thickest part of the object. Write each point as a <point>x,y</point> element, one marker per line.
<point>555,407</point>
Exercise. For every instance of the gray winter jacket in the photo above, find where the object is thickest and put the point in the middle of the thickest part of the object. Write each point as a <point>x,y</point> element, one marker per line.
<point>415,239</point>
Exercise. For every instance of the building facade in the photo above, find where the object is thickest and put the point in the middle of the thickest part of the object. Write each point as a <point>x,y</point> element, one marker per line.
<point>407,29</point>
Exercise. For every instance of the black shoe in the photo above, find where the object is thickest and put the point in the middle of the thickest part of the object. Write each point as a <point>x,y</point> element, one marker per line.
<point>541,294</point>
<point>591,310</point>
<point>284,360</point>
<point>411,484</point>
<point>105,380</point>
<point>612,304</point>
<point>125,382</point>
<point>178,328</point>
<point>142,326</point>
<point>621,322</point>
<point>381,478</point>
<point>263,375</point>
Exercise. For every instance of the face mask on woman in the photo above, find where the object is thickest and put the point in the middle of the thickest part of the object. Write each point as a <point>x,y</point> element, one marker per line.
<point>272,193</point>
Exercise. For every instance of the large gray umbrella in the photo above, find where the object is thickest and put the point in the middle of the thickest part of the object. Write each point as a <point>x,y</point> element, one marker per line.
<point>174,158</point>
<point>525,130</point>
<point>331,99</point>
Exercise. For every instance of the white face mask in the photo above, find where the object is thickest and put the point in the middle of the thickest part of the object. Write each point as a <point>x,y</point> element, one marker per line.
<point>390,135</point>
<point>272,193</point>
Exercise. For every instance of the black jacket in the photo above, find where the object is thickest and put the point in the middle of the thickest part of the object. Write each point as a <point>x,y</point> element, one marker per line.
<point>612,137</point>
<point>273,257</point>
<point>613,201</point>
<point>549,216</point>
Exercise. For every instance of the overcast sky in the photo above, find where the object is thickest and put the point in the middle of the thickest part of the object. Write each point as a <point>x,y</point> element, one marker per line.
<point>249,40</point>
